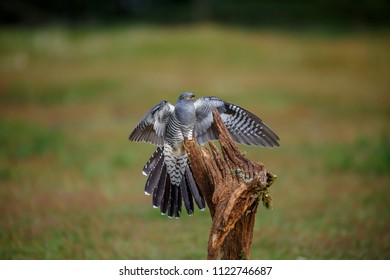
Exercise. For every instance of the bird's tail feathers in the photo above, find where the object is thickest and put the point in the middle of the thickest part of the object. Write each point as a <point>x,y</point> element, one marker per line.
<point>153,161</point>
<point>187,197</point>
<point>158,192</point>
<point>166,187</point>
<point>194,189</point>
<point>175,202</point>
<point>157,162</point>
<point>166,196</point>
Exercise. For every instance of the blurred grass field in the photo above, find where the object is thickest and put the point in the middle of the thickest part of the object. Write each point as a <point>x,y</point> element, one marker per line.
<point>71,183</point>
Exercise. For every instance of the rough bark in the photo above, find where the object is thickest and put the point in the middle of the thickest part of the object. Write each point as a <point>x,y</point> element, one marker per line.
<point>232,186</point>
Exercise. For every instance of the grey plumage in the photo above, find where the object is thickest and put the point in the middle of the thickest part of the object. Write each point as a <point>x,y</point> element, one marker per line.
<point>169,174</point>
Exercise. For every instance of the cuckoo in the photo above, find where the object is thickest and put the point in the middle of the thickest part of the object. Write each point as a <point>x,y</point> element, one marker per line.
<point>170,179</point>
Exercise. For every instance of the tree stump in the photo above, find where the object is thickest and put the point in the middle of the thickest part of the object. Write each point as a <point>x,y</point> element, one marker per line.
<point>232,187</point>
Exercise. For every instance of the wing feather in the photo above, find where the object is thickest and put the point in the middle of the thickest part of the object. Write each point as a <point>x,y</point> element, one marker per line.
<point>245,127</point>
<point>152,126</point>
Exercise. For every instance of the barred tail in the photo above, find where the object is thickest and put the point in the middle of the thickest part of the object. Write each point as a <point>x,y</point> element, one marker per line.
<point>167,196</point>
<point>152,162</point>
<point>193,189</point>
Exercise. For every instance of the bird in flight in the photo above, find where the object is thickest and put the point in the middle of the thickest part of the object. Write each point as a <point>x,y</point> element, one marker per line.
<point>170,179</point>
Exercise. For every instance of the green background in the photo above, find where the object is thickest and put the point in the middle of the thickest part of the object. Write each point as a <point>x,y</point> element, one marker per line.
<point>71,185</point>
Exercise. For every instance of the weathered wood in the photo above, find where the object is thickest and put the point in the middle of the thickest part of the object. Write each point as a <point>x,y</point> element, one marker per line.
<point>233,187</point>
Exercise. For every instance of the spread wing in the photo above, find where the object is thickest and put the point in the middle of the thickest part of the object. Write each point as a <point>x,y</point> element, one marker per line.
<point>152,127</point>
<point>244,127</point>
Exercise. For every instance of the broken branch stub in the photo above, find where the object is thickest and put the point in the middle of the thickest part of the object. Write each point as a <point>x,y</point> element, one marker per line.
<point>232,186</point>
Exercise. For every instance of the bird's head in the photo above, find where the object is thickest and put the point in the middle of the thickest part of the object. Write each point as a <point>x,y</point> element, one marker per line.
<point>187,96</point>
